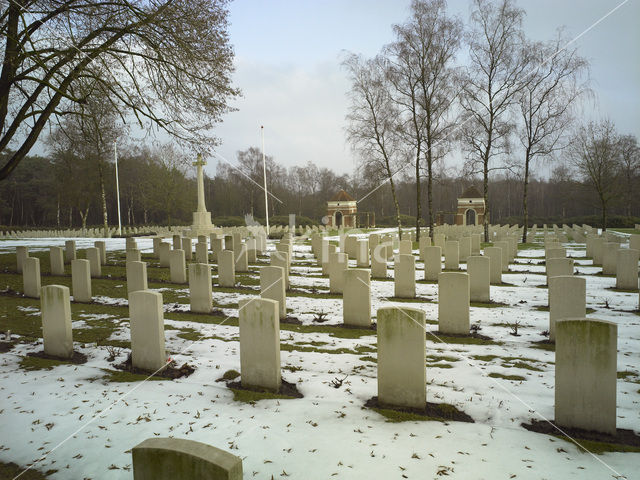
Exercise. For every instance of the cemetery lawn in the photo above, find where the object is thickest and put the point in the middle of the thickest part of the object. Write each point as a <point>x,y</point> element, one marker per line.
<point>85,418</point>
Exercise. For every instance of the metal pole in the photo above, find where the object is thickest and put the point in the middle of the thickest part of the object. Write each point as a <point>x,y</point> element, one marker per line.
<point>115,153</point>
<point>264,172</point>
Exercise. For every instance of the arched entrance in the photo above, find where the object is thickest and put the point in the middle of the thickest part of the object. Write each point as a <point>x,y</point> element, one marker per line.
<point>338,222</point>
<point>471,217</point>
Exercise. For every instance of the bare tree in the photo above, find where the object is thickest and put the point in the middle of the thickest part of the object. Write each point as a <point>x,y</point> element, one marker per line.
<point>167,63</point>
<point>423,79</point>
<point>372,120</point>
<point>546,104</point>
<point>90,134</point>
<point>595,154</point>
<point>490,84</point>
<point>630,158</point>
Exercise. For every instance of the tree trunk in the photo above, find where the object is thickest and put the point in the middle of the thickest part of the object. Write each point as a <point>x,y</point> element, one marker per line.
<point>418,195</point>
<point>604,214</point>
<point>430,194</point>
<point>58,212</point>
<point>525,190</point>
<point>397,206</point>
<point>83,217</point>
<point>485,193</point>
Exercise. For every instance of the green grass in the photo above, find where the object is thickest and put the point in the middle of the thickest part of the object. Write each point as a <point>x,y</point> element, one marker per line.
<point>230,375</point>
<point>396,416</point>
<point>488,304</point>
<point>11,470</point>
<point>507,377</point>
<point>120,376</point>
<point>249,396</point>
<point>35,363</point>
<point>461,340</point>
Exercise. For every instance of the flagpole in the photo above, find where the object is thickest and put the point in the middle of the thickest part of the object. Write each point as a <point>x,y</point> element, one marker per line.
<point>264,172</point>
<point>115,154</point>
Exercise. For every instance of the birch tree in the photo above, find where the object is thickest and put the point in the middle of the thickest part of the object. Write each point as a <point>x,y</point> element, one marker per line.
<point>490,86</point>
<point>546,104</point>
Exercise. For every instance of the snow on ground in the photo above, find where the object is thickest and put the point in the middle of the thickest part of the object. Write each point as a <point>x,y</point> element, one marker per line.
<point>89,425</point>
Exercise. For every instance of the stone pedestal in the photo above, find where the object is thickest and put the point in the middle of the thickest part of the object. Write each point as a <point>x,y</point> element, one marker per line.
<point>31,277</point>
<point>627,269</point>
<point>56,260</point>
<point>216,247</point>
<point>164,250</point>
<point>432,263</point>
<point>81,280</point>
<point>242,259</point>
<point>404,276</point>
<point>133,255</point>
<point>337,267</point>
<point>401,357</point>
<point>559,267</point>
<point>504,249</point>
<point>610,258</point>
<point>260,343</point>
<point>56,321</point>
<point>69,250</point>
<point>187,247</point>
<point>147,330</point>
<point>272,287</point>
<point>282,259</point>
<point>136,276</point>
<point>453,303</point>
<point>405,247</point>
<point>452,255</point>
<point>93,255</point>
<point>465,248</point>
<point>356,298</point>
<point>202,254</point>
<point>21,253</point>
<point>586,373</point>
<point>479,271</point>
<point>177,242</point>
<point>102,248</point>
<point>331,249</point>
<point>177,269</point>
<point>379,261</point>
<point>162,459</point>
<point>226,269</point>
<point>200,289</point>
<point>495,255</point>
<point>567,299</point>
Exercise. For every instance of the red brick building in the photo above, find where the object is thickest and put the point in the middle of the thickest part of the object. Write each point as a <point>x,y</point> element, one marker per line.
<point>471,207</point>
<point>342,211</point>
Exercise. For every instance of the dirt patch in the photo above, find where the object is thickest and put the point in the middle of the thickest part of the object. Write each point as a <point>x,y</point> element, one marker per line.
<point>5,346</point>
<point>479,336</point>
<point>170,371</point>
<point>291,320</point>
<point>431,411</point>
<point>622,438</point>
<point>77,358</point>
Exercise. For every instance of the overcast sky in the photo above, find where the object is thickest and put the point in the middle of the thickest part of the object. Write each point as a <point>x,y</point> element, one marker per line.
<point>288,55</point>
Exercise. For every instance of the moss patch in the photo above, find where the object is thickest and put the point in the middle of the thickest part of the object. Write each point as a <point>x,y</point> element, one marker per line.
<point>118,376</point>
<point>288,391</point>
<point>441,412</point>
<point>11,470</point>
<point>591,442</point>
<point>517,378</point>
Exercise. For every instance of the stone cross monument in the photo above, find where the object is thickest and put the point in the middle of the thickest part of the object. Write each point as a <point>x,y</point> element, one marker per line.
<point>201,218</point>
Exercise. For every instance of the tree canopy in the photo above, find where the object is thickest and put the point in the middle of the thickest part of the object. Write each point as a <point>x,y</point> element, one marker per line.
<point>166,63</point>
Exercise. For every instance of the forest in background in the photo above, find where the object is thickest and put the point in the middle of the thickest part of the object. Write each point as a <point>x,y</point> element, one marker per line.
<point>157,186</point>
